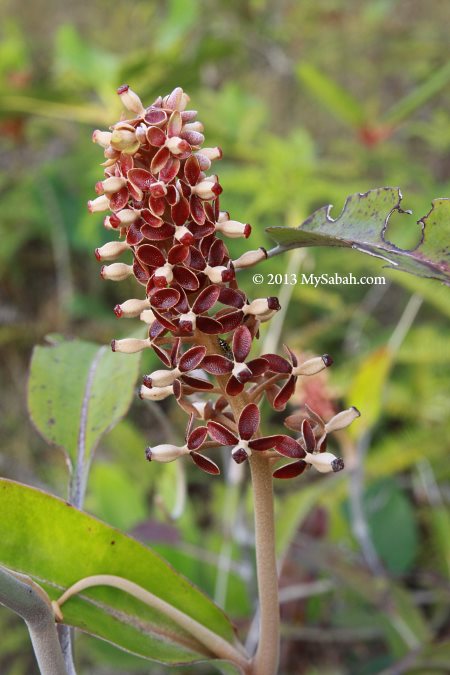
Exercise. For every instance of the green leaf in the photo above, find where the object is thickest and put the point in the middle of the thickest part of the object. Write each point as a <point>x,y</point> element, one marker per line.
<point>362,226</point>
<point>57,545</point>
<point>77,391</point>
<point>334,97</point>
<point>366,389</point>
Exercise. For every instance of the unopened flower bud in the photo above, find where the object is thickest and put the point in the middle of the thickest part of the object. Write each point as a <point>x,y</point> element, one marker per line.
<point>116,272</point>
<point>207,155</point>
<point>161,378</point>
<point>165,452</point>
<point>124,140</point>
<point>218,274</point>
<point>313,366</point>
<point>262,306</point>
<point>111,250</point>
<point>124,218</point>
<point>250,258</point>
<point>342,419</point>
<point>156,393</point>
<point>207,189</point>
<point>99,204</point>
<point>163,275</point>
<point>110,185</point>
<point>324,462</point>
<point>130,345</point>
<point>147,316</point>
<point>130,100</point>
<point>102,138</point>
<point>184,236</point>
<point>194,126</point>
<point>131,308</point>
<point>177,145</point>
<point>233,228</point>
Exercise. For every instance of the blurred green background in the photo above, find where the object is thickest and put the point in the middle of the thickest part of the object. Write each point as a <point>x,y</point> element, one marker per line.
<point>310,101</point>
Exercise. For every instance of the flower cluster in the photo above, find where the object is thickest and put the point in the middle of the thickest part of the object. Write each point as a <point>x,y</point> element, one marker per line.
<point>158,195</point>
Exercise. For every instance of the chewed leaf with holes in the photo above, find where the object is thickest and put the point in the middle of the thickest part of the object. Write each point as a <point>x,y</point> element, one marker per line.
<point>77,390</point>
<point>362,226</point>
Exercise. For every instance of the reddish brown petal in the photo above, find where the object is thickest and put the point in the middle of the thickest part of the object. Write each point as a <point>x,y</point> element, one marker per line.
<point>119,199</point>
<point>141,178</point>
<point>216,364</point>
<point>290,470</point>
<point>140,273</point>
<point>308,436</point>
<point>200,231</point>
<point>155,116</point>
<point>156,330</point>
<point>294,421</point>
<point>197,210</point>
<point>186,278</point>
<point>172,195</point>
<point>162,355</point>
<point>205,464</point>
<point>158,233</point>
<point>231,321</point>
<point>170,170</point>
<point>221,434</point>
<point>196,260</point>
<point>178,254</point>
<point>158,189</point>
<point>134,234</point>
<point>165,298</point>
<point>257,366</point>
<point>208,325</point>
<point>231,297</point>
<point>277,364</point>
<point>192,358</point>
<point>157,205</point>
<point>134,192</point>
<point>174,124</point>
<point>163,320</point>
<point>126,163</point>
<point>265,443</point>
<point>217,253</point>
<point>242,343</point>
<point>294,360</point>
<point>151,219</point>
<point>206,299</point>
<point>192,170</point>
<point>285,394</point>
<point>159,160</point>
<point>197,437</point>
<point>156,137</point>
<point>234,387</point>
<point>150,255</point>
<point>249,421</point>
<point>323,445</point>
<point>180,211</point>
<point>289,447</point>
<point>197,383</point>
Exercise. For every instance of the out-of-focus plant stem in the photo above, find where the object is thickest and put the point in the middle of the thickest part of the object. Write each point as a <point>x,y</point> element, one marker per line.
<point>20,594</point>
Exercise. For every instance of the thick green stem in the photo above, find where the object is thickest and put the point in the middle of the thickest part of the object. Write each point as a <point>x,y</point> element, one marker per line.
<point>265,661</point>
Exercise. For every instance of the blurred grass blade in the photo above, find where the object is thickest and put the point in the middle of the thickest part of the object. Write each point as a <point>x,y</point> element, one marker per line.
<point>57,545</point>
<point>332,96</point>
<point>69,112</point>
<point>420,95</point>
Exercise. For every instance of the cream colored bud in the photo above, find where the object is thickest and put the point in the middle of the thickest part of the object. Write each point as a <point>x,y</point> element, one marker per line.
<point>110,185</point>
<point>99,204</point>
<point>107,224</point>
<point>211,153</point>
<point>124,140</point>
<point>125,217</point>
<point>250,258</point>
<point>175,145</point>
<point>111,250</point>
<point>206,189</point>
<point>233,228</point>
<point>156,393</point>
<point>224,216</point>
<point>313,366</point>
<point>131,308</point>
<point>164,272</point>
<point>147,316</point>
<point>163,378</point>
<point>165,453</point>
<point>263,318</point>
<point>102,138</point>
<point>130,345</point>
<point>215,274</point>
<point>131,100</point>
<point>324,462</point>
<point>116,272</point>
<point>342,419</point>
<point>184,100</point>
<point>194,126</point>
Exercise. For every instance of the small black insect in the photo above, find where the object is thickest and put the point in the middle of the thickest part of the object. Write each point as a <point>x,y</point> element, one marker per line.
<point>225,347</point>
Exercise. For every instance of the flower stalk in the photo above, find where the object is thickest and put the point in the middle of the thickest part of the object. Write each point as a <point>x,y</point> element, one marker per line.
<point>164,206</point>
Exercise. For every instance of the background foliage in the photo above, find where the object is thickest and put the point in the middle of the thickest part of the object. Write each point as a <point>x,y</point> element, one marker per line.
<point>310,102</point>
